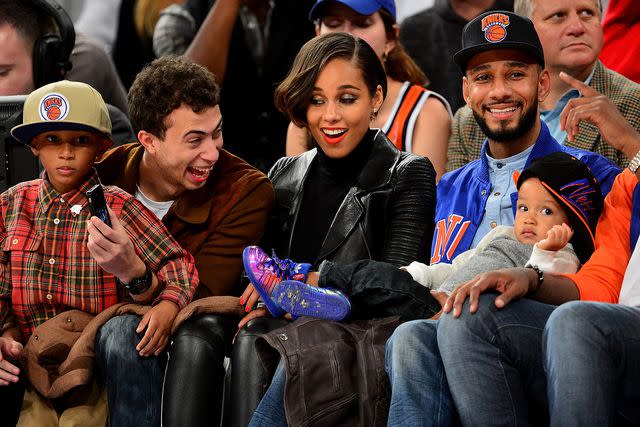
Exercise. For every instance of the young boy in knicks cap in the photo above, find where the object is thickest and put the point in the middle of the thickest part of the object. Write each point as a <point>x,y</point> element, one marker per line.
<point>57,257</point>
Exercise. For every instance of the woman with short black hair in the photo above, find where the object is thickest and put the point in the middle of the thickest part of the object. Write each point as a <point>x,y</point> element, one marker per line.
<point>354,196</point>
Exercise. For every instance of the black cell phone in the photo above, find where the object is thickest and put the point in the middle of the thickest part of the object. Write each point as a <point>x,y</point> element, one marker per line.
<point>97,204</point>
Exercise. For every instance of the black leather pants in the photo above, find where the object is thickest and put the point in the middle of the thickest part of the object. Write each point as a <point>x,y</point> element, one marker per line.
<point>194,378</point>
<point>249,380</point>
<point>11,397</point>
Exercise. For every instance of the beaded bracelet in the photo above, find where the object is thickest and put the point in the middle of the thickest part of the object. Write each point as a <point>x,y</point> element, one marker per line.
<point>540,274</point>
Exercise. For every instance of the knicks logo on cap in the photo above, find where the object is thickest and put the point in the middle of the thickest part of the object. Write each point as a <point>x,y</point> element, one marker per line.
<point>54,107</point>
<point>495,27</point>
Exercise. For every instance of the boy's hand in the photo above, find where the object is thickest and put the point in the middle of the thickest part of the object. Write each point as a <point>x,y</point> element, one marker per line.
<point>9,348</point>
<point>557,238</point>
<point>113,250</point>
<point>158,322</point>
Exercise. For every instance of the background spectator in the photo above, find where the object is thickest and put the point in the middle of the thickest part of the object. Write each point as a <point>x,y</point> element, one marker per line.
<point>432,37</point>
<point>621,27</point>
<point>92,65</point>
<point>406,8</point>
<point>99,20</point>
<point>73,7</point>
<point>249,46</point>
<point>133,48</point>
<point>59,54</point>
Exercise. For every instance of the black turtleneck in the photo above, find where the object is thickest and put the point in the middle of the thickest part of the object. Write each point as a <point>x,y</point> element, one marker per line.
<point>328,182</point>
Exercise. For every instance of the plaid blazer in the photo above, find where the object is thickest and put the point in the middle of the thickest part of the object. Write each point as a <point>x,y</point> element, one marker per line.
<point>467,138</point>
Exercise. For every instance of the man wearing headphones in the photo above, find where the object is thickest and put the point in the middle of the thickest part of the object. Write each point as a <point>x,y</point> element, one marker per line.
<point>38,45</point>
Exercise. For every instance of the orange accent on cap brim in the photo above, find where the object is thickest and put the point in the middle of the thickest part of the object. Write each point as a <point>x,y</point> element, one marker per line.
<point>552,191</point>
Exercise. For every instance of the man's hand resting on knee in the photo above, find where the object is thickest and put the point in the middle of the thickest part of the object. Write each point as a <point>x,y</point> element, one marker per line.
<point>511,283</point>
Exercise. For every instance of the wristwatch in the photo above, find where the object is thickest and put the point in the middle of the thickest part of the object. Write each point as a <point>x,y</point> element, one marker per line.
<point>634,164</point>
<point>139,285</point>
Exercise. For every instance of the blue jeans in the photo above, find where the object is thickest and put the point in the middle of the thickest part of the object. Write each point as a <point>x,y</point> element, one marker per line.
<point>134,383</point>
<point>493,362</point>
<point>592,358</point>
<point>270,411</point>
<point>419,392</point>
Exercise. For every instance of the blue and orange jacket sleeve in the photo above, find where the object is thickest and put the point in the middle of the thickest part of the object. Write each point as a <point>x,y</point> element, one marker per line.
<point>600,278</point>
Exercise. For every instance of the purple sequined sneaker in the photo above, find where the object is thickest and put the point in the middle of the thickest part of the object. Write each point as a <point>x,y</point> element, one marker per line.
<point>266,272</point>
<point>301,299</point>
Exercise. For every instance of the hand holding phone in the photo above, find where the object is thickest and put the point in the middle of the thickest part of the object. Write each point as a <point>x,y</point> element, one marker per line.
<point>97,204</point>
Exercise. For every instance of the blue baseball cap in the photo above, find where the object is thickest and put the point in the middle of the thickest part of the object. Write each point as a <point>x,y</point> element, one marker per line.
<point>363,7</point>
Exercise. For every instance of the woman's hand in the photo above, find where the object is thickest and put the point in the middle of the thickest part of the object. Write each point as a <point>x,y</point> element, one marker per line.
<point>259,312</point>
<point>253,314</point>
<point>249,298</point>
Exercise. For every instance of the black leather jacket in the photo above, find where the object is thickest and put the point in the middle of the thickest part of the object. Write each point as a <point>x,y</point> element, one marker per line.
<point>386,216</point>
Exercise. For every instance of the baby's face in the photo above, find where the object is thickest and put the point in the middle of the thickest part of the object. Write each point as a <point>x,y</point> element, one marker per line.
<point>537,212</point>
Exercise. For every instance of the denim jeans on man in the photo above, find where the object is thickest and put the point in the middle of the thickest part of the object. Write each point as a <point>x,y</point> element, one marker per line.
<point>419,392</point>
<point>493,362</point>
<point>134,383</point>
<point>592,359</point>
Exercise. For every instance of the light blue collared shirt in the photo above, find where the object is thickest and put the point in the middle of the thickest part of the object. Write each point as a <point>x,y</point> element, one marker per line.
<point>499,209</point>
<point>552,117</point>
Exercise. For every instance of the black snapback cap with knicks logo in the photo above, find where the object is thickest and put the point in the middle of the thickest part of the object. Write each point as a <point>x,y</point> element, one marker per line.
<point>498,30</point>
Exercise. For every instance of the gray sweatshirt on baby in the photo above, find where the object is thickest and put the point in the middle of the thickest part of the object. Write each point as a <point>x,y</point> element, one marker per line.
<point>498,249</point>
